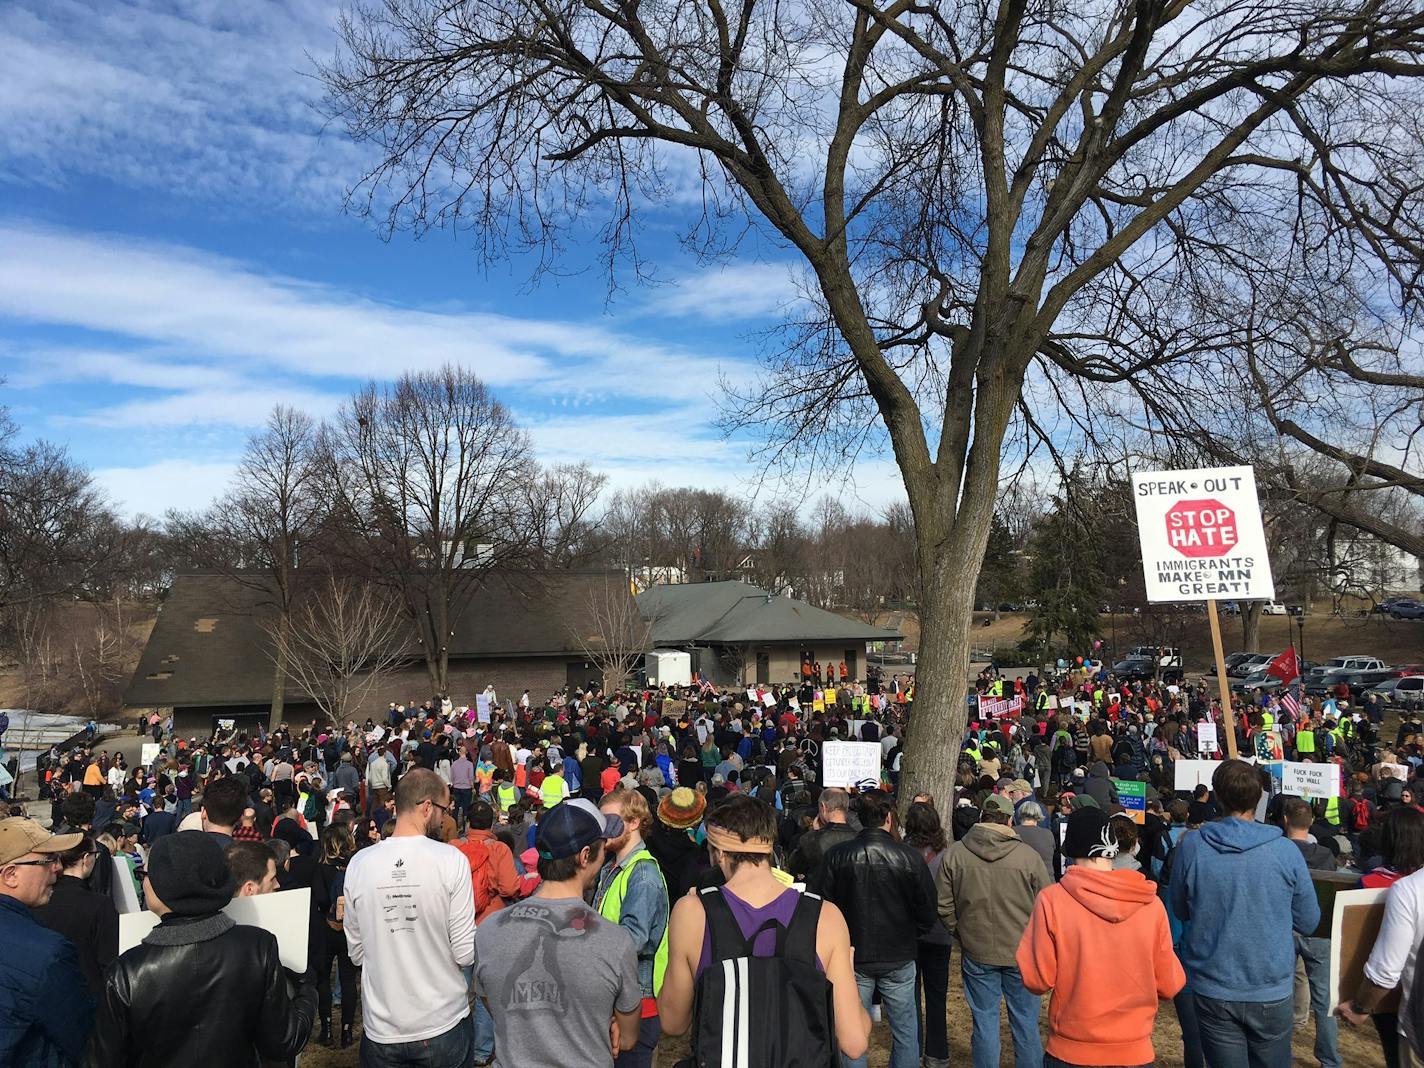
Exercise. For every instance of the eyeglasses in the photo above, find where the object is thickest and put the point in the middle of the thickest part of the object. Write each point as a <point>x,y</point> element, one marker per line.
<point>447,809</point>
<point>48,862</point>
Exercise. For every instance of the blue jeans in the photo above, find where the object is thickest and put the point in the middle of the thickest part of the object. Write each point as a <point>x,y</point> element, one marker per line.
<point>484,1022</point>
<point>1246,1034</point>
<point>984,985</point>
<point>897,999</point>
<point>1186,1005</point>
<point>1315,952</point>
<point>454,1049</point>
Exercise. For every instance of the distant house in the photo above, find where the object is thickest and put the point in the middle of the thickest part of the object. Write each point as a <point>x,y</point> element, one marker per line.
<point>208,657</point>
<point>739,634</point>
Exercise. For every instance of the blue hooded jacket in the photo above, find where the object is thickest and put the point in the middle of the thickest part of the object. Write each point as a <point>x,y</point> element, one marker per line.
<point>1244,887</point>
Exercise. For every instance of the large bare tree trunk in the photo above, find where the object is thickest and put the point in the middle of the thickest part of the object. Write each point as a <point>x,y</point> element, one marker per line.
<point>1251,626</point>
<point>279,674</point>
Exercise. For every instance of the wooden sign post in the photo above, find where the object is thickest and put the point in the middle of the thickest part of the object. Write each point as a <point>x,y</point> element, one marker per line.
<point>1228,720</point>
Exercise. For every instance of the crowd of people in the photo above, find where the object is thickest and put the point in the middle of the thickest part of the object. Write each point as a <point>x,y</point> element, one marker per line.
<point>585,879</point>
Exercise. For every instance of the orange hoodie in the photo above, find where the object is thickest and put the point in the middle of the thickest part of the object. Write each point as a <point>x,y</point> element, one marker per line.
<point>1099,940</point>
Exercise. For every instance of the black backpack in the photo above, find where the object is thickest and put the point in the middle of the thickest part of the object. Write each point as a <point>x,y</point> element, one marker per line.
<point>758,1012</point>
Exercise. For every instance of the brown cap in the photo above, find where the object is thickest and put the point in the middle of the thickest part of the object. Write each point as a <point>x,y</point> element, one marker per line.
<point>19,836</point>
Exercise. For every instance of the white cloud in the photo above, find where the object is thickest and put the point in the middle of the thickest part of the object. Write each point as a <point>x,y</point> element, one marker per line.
<point>152,489</point>
<point>206,326</point>
<point>211,100</point>
<point>734,291</point>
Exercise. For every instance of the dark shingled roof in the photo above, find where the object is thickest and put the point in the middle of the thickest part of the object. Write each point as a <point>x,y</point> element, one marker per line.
<point>209,646</point>
<point>737,613</point>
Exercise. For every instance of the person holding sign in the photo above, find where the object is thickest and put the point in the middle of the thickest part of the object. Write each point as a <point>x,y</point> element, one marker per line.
<point>200,989</point>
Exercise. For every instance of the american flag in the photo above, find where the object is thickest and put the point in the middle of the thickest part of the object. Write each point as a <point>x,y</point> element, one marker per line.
<point>1290,703</point>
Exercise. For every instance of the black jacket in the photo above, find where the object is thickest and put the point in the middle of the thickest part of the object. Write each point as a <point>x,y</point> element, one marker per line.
<point>888,897</point>
<point>218,1001</point>
<point>88,920</point>
<point>806,862</point>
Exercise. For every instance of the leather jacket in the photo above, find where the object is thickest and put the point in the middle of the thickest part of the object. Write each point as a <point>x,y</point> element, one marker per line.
<point>888,897</point>
<point>218,1001</point>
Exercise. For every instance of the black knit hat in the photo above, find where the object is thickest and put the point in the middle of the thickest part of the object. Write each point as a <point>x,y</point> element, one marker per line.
<point>189,873</point>
<point>1089,835</point>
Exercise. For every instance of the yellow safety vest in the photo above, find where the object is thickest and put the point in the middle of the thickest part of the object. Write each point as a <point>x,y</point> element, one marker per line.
<point>507,796</point>
<point>1305,742</point>
<point>1332,812</point>
<point>611,909</point>
<point>551,790</point>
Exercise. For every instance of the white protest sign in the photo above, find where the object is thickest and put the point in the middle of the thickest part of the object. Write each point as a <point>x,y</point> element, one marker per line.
<point>482,708</point>
<point>149,754</point>
<point>1206,737</point>
<point>1189,774</point>
<point>285,914</point>
<point>1201,535</point>
<point>753,697</point>
<point>1310,780</point>
<point>850,763</point>
<point>769,699</point>
<point>122,890</point>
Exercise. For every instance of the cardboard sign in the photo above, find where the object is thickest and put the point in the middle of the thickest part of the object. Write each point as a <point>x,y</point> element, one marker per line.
<point>286,915</point>
<point>850,764</point>
<point>1133,797</point>
<point>1354,927</point>
<point>1189,774</point>
<point>1201,535</point>
<point>1206,737</point>
<point>1310,780</point>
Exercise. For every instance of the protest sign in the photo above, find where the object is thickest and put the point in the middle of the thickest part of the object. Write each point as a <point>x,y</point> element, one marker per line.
<point>753,696</point>
<point>850,763</point>
<point>1201,535</point>
<point>1310,780</point>
<point>1133,798</point>
<point>1206,737</point>
<point>1268,744</point>
<point>123,890</point>
<point>1354,927</point>
<point>769,699</point>
<point>1189,774</point>
<point>285,914</point>
<point>482,708</point>
<point>226,724</point>
<point>150,753</point>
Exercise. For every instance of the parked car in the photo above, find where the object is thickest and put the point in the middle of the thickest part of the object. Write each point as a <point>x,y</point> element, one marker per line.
<point>1398,692</point>
<point>1258,680</point>
<point>1387,606</point>
<point>1354,663</point>
<point>1273,608</point>
<point>1357,682</point>
<point>1407,610</point>
<point>1230,608</point>
<point>1247,666</point>
<point>1135,669</point>
<point>1232,659</point>
<point>1167,657</point>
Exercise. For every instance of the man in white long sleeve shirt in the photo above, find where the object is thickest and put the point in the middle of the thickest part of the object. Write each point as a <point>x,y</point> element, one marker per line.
<point>1391,962</point>
<point>410,927</point>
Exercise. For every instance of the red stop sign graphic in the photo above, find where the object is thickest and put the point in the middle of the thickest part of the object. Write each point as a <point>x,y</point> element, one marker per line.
<point>1201,528</point>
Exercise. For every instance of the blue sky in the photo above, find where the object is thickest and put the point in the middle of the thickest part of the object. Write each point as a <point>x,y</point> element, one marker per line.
<point>174,261</point>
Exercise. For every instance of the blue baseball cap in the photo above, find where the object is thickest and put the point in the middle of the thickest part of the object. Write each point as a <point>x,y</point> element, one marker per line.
<point>570,825</point>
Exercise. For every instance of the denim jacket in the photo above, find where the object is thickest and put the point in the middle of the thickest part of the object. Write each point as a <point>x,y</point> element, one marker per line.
<point>46,1011</point>
<point>645,911</point>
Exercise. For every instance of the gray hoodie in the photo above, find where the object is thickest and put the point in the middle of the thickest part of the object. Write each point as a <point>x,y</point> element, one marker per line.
<point>987,884</point>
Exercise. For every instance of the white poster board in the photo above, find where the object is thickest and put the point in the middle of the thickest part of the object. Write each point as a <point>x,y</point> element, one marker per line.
<point>1342,932</point>
<point>122,891</point>
<point>769,699</point>
<point>1206,737</point>
<point>482,708</point>
<point>1310,780</point>
<point>1189,774</point>
<point>285,914</point>
<point>1201,535</point>
<point>149,754</point>
<point>850,763</point>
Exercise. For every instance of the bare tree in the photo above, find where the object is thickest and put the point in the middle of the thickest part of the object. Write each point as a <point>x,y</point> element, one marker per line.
<point>561,503</point>
<point>342,639</point>
<point>259,532</point>
<point>432,476</point>
<point>610,631</point>
<point>987,199</point>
